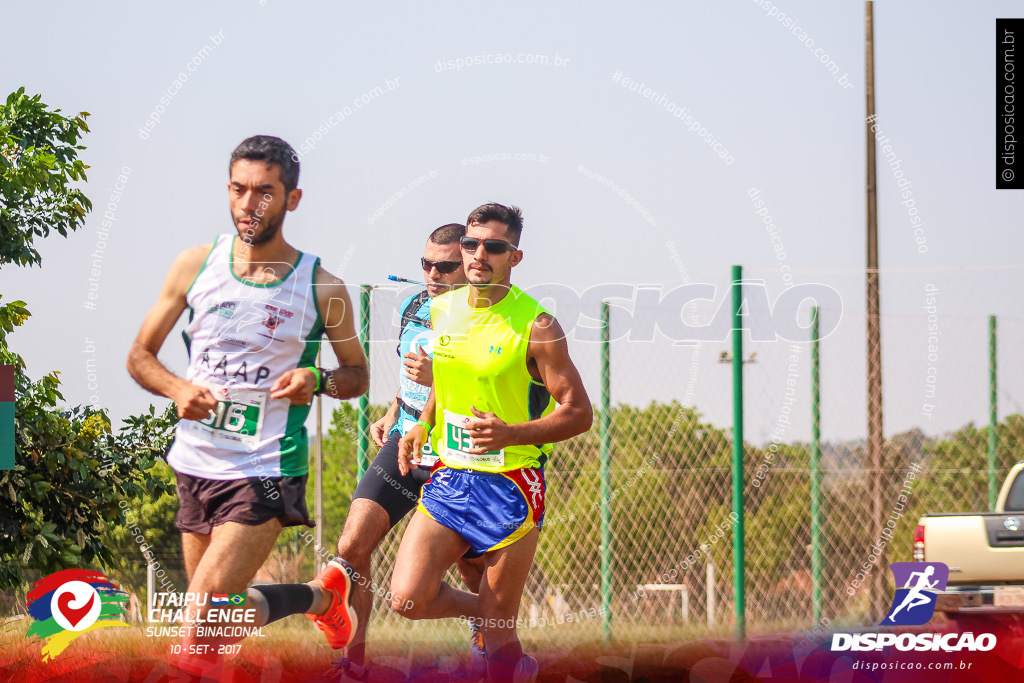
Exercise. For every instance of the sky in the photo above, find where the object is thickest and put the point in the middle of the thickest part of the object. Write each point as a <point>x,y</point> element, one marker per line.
<point>408,116</point>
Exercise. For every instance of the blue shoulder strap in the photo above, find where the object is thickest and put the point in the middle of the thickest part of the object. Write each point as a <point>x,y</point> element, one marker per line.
<point>408,316</point>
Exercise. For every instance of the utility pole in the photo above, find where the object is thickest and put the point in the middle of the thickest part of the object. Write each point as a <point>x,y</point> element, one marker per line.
<point>874,326</point>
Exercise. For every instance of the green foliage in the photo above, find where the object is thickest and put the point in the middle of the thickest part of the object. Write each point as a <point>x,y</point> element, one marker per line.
<point>340,467</point>
<point>959,463</point>
<point>148,528</point>
<point>38,163</point>
<point>70,475</point>
<point>71,471</point>
<point>11,315</point>
<point>661,455</point>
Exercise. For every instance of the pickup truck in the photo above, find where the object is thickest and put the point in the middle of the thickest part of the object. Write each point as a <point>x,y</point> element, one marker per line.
<point>984,552</point>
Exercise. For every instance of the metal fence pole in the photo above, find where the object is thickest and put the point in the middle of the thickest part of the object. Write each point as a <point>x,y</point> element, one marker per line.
<point>711,591</point>
<point>993,417</point>
<point>739,583</point>
<point>815,473</point>
<point>606,456</point>
<point>363,461</point>
<point>318,466</point>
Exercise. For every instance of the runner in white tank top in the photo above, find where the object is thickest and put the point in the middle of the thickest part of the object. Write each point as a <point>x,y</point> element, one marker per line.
<point>242,336</point>
<point>257,310</point>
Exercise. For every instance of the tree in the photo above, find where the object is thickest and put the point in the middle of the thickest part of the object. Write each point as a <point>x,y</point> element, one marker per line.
<point>38,161</point>
<point>669,474</point>
<point>71,471</point>
<point>148,529</point>
<point>70,476</point>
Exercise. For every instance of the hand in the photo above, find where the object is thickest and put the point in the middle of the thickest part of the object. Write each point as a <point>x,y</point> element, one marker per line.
<point>488,432</point>
<point>409,448</point>
<point>295,385</point>
<point>194,402</point>
<point>380,429</point>
<point>419,367</point>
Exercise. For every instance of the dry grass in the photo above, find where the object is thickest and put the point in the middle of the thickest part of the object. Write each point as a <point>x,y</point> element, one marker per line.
<point>294,650</point>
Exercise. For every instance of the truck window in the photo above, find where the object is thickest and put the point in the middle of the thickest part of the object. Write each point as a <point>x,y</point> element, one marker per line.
<point>1015,498</point>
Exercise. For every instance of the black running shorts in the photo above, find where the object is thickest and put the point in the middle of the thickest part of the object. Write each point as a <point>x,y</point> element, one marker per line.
<point>206,503</point>
<point>384,484</point>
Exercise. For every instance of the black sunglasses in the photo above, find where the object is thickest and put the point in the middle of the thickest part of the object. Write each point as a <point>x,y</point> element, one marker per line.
<point>443,267</point>
<point>471,244</point>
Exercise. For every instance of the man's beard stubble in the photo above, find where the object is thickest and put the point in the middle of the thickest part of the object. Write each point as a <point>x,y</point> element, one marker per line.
<point>271,226</point>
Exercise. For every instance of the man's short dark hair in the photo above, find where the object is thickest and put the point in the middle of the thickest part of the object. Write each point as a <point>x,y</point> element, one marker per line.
<point>273,152</point>
<point>511,216</point>
<point>448,234</point>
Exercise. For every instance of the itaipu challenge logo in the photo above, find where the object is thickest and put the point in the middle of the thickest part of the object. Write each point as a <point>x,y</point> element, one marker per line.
<point>71,602</point>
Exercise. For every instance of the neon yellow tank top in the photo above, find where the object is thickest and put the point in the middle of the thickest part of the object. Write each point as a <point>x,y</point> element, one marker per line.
<point>480,360</point>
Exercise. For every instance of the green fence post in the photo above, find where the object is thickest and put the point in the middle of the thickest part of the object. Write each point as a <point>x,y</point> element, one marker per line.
<point>739,580</point>
<point>362,459</point>
<point>606,457</point>
<point>815,473</point>
<point>318,466</point>
<point>993,417</point>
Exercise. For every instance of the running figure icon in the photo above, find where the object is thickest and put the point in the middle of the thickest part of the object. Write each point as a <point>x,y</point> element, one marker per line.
<point>914,598</point>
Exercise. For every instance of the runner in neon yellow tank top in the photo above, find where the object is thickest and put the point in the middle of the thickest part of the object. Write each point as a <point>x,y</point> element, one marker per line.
<point>500,364</point>
<point>492,360</point>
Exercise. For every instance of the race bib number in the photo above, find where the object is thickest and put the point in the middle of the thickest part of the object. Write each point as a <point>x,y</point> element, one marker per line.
<point>237,419</point>
<point>458,442</point>
<point>427,455</point>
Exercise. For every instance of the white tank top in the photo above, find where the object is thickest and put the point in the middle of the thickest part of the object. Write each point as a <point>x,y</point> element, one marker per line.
<point>241,337</point>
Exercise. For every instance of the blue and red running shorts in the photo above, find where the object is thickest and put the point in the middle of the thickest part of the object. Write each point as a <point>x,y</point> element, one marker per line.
<point>490,510</point>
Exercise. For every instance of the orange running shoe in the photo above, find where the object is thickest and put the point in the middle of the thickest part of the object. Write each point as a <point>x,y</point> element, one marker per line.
<point>339,621</point>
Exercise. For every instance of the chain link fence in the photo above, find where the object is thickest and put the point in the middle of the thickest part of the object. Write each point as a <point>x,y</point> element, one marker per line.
<point>671,479</point>
<point>672,560</point>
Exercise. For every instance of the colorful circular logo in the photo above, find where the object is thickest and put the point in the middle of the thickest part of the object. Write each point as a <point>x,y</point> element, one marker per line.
<point>68,603</point>
<point>76,605</point>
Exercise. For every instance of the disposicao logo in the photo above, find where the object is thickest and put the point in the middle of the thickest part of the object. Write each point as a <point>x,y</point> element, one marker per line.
<point>914,605</point>
<point>916,584</point>
<point>913,642</point>
<point>68,603</point>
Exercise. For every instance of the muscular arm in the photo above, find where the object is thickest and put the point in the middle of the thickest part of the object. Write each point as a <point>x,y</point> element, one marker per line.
<point>548,361</point>
<point>351,378</point>
<point>144,367</point>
